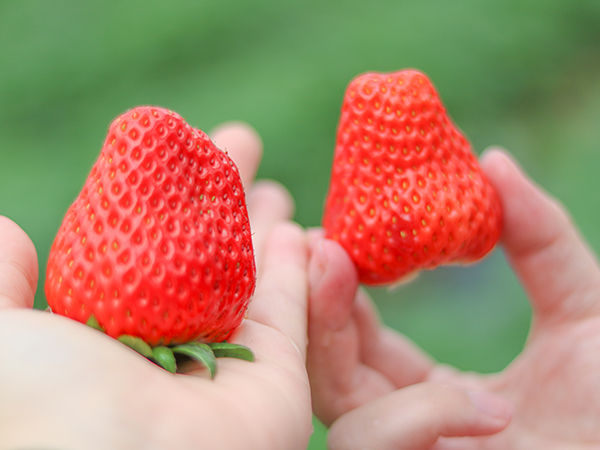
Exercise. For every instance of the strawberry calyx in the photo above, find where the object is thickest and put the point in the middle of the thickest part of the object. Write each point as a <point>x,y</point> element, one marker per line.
<point>165,355</point>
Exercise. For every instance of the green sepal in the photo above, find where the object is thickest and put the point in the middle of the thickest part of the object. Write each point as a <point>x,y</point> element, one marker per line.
<point>136,344</point>
<point>93,322</point>
<point>228,350</point>
<point>164,357</point>
<point>199,352</point>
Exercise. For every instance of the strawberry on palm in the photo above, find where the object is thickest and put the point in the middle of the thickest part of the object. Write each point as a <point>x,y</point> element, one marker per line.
<point>156,250</point>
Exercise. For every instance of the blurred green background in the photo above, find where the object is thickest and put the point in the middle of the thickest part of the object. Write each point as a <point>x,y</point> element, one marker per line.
<point>521,74</point>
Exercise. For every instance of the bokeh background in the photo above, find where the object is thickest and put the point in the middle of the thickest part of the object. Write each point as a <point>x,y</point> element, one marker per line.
<point>524,74</point>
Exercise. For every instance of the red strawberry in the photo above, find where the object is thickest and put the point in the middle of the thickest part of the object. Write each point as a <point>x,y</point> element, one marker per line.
<point>157,245</point>
<point>406,190</point>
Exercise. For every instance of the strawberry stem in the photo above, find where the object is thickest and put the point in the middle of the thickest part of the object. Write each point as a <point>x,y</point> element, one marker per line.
<point>93,322</point>
<point>226,350</point>
<point>199,352</point>
<point>164,356</point>
<point>136,344</point>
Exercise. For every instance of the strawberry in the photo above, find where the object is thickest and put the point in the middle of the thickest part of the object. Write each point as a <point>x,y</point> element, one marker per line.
<point>156,250</point>
<point>406,191</point>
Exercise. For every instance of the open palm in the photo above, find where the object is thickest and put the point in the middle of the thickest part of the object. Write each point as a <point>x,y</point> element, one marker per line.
<point>384,392</point>
<point>65,385</point>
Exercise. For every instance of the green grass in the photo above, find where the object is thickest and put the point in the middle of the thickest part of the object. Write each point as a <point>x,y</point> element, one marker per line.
<point>522,74</point>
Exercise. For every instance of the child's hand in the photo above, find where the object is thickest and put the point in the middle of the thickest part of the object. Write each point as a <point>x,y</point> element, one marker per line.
<point>377,390</point>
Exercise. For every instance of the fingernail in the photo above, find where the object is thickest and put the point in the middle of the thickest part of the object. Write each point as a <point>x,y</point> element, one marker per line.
<point>491,404</point>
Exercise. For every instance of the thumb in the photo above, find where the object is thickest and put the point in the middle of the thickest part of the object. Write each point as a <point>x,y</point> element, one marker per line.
<point>415,417</point>
<point>555,265</point>
<point>18,266</point>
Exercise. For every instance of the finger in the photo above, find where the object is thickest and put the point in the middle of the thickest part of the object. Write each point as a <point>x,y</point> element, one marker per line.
<point>553,263</point>
<point>339,382</point>
<point>243,145</point>
<point>385,350</point>
<point>352,358</point>
<point>280,301</point>
<point>414,418</point>
<point>314,236</point>
<point>18,266</point>
<point>269,203</point>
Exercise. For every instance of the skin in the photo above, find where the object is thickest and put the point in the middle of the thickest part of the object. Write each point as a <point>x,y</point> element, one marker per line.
<point>64,385</point>
<point>377,390</point>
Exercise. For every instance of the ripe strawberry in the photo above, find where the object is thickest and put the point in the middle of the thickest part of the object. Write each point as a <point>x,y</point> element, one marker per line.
<point>157,245</point>
<point>406,190</point>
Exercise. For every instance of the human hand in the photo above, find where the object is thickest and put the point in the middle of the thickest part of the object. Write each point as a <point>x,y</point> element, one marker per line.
<point>378,390</point>
<point>65,385</point>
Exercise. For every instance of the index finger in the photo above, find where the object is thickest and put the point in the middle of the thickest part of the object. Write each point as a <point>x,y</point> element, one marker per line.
<point>554,264</point>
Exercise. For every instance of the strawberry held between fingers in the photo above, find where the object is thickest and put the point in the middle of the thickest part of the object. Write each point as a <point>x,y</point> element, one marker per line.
<point>156,250</point>
<point>406,191</point>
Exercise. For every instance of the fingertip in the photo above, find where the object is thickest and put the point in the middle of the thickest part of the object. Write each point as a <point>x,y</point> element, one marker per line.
<point>243,144</point>
<point>493,153</point>
<point>499,166</point>
<point>530,215</point>
<point>270,199</point>
<point>231,132</point>
<point>290,236</point>
<point>333,282</point>
<point>18,266</point>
